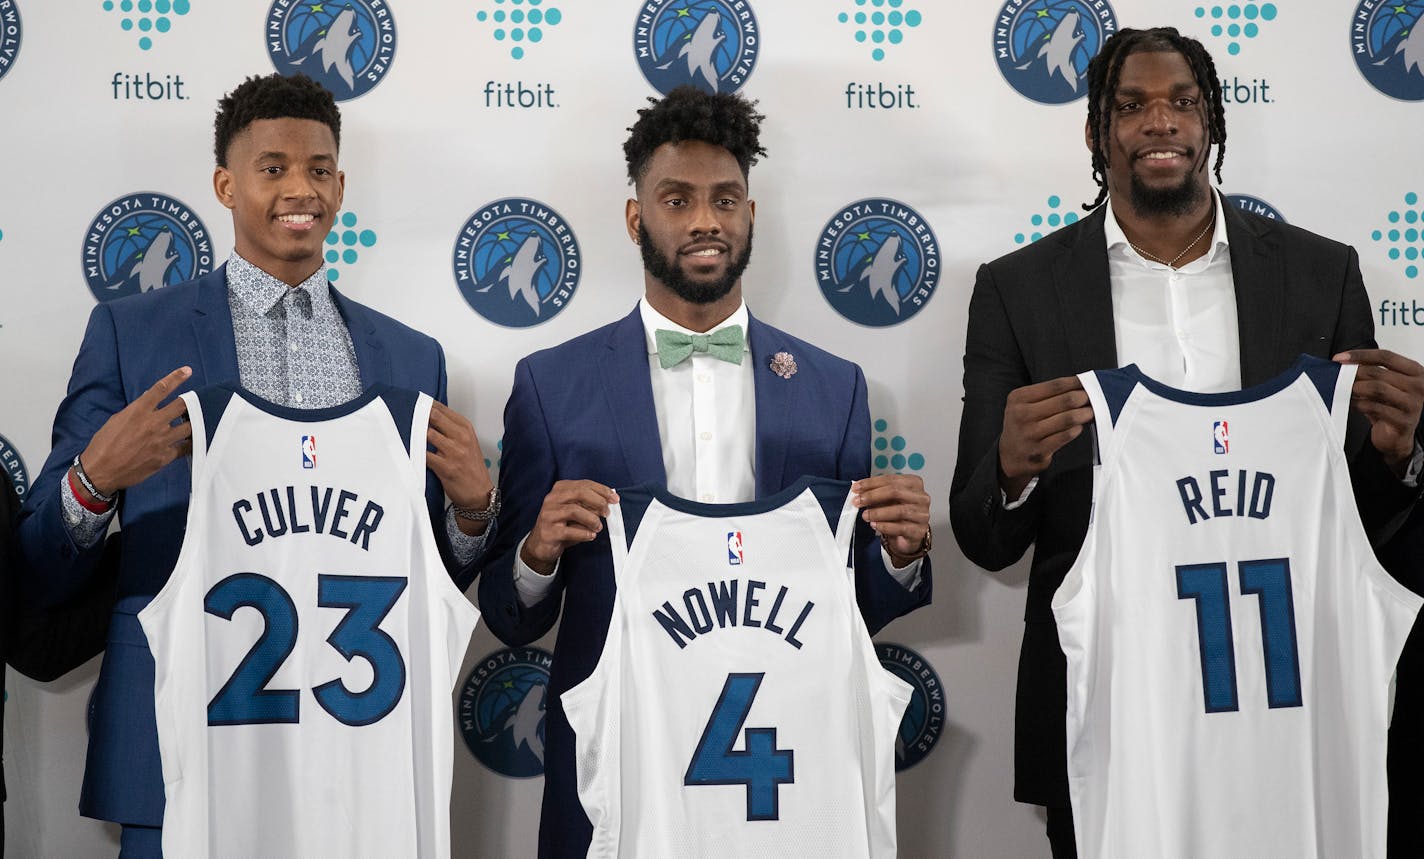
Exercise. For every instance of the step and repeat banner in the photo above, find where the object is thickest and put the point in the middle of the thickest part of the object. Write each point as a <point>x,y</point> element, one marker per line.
<point>940,133</point>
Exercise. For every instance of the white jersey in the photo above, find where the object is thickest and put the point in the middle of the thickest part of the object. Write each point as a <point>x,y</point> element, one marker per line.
<point>308,640</point>
<point>1230,637</point>
<point>738,707</point>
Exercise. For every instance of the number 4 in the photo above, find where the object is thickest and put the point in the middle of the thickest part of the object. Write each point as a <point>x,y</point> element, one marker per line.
<point>1269,581</point>
<point>762,767</point>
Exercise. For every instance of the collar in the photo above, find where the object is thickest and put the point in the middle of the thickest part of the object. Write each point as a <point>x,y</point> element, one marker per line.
<point>1118,244</point>
<point>258,292</point>
<point>653,320</point>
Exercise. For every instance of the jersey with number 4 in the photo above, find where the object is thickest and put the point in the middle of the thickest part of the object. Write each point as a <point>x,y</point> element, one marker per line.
<point>738,707</point>
<point>1230,637</point>
<point>308,639</point>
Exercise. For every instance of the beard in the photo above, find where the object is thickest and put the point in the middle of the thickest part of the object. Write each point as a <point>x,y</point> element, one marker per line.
<point>671,274</point>
<point>1175,201</point>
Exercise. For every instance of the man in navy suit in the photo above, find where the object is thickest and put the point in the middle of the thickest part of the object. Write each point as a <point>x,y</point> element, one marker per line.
<point>268,320</point>
<point>735,419</point>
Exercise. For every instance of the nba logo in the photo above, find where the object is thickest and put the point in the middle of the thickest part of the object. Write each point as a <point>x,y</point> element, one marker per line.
<point>1221,437</point>
<point>734,548</point>
<point>308,451</point>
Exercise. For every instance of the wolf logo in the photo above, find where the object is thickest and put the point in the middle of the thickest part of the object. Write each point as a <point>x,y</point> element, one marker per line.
<point>699,50</point>
<point>332,47</point>
<point>1412,47</point>
<point>1058,50</point>
<point>150,269</point>
<point>523,724</point>
<point>521,272</point>
<point>880,273</point>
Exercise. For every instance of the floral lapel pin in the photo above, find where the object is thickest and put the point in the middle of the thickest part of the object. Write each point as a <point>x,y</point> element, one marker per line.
<point>783,365</point>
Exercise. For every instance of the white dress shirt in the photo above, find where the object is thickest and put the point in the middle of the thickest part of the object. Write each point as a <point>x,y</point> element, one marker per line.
<point>706,410</point>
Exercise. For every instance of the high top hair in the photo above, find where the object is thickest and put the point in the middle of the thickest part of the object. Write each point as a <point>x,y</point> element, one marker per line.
<point>688,113</point>
<point>272,97</point>
<point>1105,69</point>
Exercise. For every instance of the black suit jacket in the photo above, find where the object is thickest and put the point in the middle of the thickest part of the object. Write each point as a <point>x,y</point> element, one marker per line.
<point>1046,311</point>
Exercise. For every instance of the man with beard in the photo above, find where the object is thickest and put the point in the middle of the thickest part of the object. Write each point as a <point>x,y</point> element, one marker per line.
<point>1199,295</point>
<point>675,394</point>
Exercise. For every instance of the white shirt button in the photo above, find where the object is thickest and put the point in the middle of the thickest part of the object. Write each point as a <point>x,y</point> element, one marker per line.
<point>708,497</point>
<point>292,346</point>
<point>298,396</point>
<point>704,377</point>
<point>705,436</point>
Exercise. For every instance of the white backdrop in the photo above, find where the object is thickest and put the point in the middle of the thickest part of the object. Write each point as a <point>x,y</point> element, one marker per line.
<point>430,143</point>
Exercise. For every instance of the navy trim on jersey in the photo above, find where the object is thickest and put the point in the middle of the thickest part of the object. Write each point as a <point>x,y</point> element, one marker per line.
<point>1117,386</point>
<point>1225,398</point>
<point>213,400</point>
<point>742,508</point>
<point>401,402</point>
<point>832,496</point>
<point>1324,374</point>
<point>633,502</point>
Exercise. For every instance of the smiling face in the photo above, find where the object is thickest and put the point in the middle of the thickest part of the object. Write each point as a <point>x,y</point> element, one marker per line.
<point>1157,143</point>
<point>693,222</point>
<point>284,190</point>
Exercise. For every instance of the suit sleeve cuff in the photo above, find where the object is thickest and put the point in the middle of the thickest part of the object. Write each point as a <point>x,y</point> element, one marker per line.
<point>85,527</point>
<point>531,586</point>
<point>463,546</point>
<point>908,576</point>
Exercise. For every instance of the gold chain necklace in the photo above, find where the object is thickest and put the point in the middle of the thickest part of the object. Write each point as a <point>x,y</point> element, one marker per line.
<point>1173,262</point>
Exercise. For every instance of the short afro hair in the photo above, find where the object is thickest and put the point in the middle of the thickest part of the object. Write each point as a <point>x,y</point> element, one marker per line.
<point>688,113</point>
<point>272,97</point>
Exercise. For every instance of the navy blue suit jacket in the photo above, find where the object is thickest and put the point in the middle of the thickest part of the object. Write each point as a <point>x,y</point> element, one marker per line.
<point>584,410</point>
<point>130,344</point>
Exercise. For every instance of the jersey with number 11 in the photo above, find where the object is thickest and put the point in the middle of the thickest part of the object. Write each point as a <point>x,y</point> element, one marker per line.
<point>307,641</point>
<point>738,707</point>
<point>1230,637</point>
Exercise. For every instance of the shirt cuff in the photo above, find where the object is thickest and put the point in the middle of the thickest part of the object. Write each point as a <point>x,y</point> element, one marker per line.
<point>531,586</point>
<point>908,576</point>
<point>464,547</point>
<point>85,527</point>
<point>1023,497</point>
<point>1416,466</point>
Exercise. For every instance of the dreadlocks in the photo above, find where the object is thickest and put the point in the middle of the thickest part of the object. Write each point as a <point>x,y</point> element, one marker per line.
<point>1105,70</point>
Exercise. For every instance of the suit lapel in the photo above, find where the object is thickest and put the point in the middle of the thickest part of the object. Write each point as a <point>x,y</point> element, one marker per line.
<point>629,390</point>
<point>775,399</point>
<point>1085,297</point>
<point>1256,271</point>
<point>212,329</point>
<point>373,360</point>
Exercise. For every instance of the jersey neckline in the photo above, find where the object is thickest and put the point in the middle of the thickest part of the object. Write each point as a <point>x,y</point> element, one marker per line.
<point>1271,386</point>
<point>325,413</point>
<point>740,508</point>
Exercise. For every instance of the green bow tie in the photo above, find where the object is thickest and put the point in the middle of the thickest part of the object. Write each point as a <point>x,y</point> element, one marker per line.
<point>725,344</point>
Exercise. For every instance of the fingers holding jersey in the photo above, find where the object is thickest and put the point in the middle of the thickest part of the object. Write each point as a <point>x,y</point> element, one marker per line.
<point>134,443</point>
<point>570,515</point>
<point>1389,390</point>
<point>898,508</point>
<point>1039,420</point>
<point>457,459</point>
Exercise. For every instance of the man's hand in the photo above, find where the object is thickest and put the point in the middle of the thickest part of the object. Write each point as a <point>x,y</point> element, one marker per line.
<point>1389,390</point>
<point>569,516</point>
<point>135,443</point>
<point>1038,420</point>
<point>459,464</point>
<point>898,508</point>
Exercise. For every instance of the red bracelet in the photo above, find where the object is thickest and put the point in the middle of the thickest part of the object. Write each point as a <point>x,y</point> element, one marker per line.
<point>91,506</point>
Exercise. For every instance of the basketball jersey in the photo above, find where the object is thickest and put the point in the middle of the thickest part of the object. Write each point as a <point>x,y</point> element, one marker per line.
<point>308,639</point>
<point>1230,637</point>
<point>738,707</point>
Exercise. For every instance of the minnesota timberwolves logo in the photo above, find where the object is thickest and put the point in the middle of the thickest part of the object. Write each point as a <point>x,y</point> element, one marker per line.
<point>1043,46</point>
<point>711,44</point>
<point>14,467</point>
<point>923,721</point>
<point>877,262</point>
<point>1389,46</point>
<point>142,242</point>
<point>347,46</point>
<point>517,262</point>
<point>1254,205</point>
<point>9,35</point>
<point>502,711</point>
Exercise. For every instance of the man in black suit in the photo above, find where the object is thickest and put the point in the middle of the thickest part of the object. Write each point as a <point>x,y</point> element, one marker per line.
<point>46,644</point>
<point>1197,293</point>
